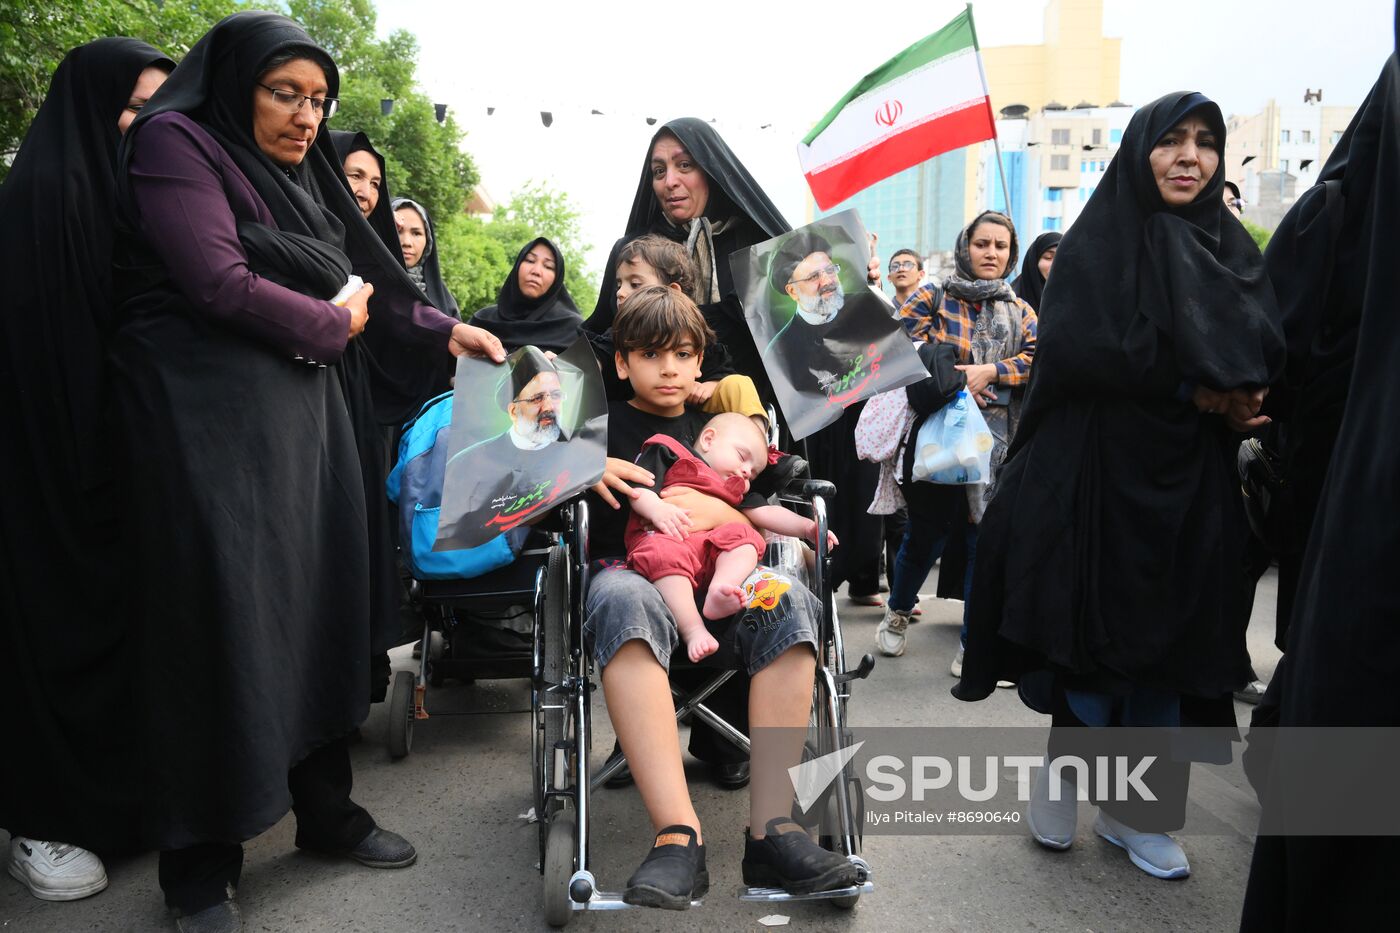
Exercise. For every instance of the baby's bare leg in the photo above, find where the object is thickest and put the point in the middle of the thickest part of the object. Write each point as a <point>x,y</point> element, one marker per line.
<point>680,599</point>
<point>726,594</point>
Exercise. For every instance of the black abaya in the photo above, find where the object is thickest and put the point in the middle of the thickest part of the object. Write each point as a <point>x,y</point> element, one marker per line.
<point>64,658</point>
<point>1343,647</point>
<point>1112,550</point>
<point>264,547</point>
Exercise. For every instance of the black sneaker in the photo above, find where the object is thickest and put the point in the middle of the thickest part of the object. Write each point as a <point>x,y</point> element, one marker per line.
<point>672,875</point>
<point>793,862</point>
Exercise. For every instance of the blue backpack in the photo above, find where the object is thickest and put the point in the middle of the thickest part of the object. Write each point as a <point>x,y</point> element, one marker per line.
<point>415,484</point>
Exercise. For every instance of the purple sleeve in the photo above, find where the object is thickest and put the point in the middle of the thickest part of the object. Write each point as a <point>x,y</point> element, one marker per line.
<point>188,220</point>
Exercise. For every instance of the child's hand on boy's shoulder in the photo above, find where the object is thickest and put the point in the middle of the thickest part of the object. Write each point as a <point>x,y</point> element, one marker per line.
<point>700,392</point>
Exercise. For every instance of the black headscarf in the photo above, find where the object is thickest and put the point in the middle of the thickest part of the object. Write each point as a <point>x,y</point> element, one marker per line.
<point>550,322</point>
<point>381,219</point>
<point>735,201</point>
<point>313,199</point>
<point>1112,469</point>
<point>428,273</point>
<point>1030,284</point>
<point>57,214</point>
<point>64,677</point>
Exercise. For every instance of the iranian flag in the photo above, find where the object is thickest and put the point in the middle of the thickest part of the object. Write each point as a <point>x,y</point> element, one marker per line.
<point>927,100</point>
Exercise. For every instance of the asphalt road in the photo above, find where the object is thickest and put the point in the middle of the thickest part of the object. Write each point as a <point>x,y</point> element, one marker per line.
<point>461,795</point>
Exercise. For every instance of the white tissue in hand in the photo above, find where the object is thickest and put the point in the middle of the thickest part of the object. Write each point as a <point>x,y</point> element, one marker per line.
<point>351,286</point>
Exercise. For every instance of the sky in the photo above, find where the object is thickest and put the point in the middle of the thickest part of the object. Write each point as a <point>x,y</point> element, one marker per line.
<point>783,64</point>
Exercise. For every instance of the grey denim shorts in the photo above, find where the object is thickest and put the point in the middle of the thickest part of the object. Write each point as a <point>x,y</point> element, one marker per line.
<point>622,605</point>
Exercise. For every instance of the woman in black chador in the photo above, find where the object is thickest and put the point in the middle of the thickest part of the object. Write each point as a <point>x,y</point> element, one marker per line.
<point>695,191</point>
<point>1332,262</point>
<point>534,308</point>
<point>64,663</point>
<point>249,406</point>
<point>1107,578</point>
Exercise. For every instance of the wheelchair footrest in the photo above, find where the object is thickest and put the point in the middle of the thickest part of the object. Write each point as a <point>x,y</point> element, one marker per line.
<point>605,900</point>
<point>777,895</point>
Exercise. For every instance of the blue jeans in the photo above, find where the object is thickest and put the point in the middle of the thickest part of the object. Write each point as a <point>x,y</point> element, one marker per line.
<point>931,514</point>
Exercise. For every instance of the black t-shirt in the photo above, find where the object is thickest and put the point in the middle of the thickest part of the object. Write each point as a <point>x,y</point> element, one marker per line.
<point>628,430</point>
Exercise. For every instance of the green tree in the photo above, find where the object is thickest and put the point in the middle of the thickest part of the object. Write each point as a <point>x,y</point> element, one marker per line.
<point>538,210</point>
<point>34,37</point>
<point>1261,235</point>
<point>425,159</point>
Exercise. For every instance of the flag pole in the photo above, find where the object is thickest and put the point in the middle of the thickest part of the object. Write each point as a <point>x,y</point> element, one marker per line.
<point>996,139</point>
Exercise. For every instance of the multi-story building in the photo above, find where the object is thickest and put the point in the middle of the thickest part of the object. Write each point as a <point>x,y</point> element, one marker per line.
<point>1053,160</point>
<point>1277,153</point>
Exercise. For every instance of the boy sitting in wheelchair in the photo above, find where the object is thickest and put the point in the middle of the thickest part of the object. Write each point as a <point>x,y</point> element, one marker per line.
<point>659,335</point>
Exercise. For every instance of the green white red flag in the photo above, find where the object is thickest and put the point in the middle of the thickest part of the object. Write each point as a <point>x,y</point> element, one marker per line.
<point>927,100</point>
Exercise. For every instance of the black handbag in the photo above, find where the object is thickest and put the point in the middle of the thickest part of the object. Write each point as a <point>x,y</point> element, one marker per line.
<point>1267,494</point>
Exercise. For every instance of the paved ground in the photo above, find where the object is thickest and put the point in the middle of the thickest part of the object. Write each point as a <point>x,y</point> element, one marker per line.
<point>460,794</point>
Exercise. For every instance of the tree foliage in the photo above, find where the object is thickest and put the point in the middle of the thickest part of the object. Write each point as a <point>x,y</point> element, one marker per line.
<point>34,37</point>
<point>425,158</point>
<point>1260,234</point>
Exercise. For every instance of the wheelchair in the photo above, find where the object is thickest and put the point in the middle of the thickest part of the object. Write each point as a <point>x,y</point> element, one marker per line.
<point>562,693</point>
<point>543,577</point>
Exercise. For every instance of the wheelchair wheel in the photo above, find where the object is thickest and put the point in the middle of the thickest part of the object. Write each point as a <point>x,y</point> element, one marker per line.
<point>559,867</point>
<point>550,705</point>
<point>401,715</point>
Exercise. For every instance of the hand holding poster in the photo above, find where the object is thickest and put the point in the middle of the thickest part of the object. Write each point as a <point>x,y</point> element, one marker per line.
<point>827,340</point>
<point>526,435</point>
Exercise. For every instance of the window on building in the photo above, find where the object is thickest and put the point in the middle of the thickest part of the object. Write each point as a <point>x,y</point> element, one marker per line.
<point>1083,195</point>
<point>1098,137</point>
<point>1307,136</point>
<point>1283,165</point>
<point>1053,195</point>
<point>1283,136</point>
<point>1115,136</point>
<point>1336,137</point>
<point>1052,223</point>
<point>1059,163</point>
<point>1059,137</point>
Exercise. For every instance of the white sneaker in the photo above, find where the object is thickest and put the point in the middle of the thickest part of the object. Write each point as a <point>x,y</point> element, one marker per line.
<point>956,667</point>
<point>1052,822</point>
<point>1158,854</point>
<point>54,871</point>
<point>889,636</point>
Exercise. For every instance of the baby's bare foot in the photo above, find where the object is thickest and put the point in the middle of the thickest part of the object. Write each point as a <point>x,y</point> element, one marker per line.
<point>722,601</point>
<point>700,645</point>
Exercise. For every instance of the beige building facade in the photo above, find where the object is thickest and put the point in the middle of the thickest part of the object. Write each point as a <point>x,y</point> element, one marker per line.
<point>1076,66</point>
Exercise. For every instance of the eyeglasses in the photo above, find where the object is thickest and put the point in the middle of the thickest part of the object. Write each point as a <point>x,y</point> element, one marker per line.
<point>554,395</point>
<point>901,266</point>
<point>830,271</point>
<point>291,102</point>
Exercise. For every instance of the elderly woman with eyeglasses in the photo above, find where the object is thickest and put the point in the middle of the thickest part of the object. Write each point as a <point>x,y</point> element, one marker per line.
<point>251,396</point>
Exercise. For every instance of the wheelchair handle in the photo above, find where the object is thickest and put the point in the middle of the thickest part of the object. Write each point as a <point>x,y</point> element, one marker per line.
<point>811,488</point>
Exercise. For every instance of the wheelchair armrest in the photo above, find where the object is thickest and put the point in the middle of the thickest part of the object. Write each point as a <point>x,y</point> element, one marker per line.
<point>809,489</point>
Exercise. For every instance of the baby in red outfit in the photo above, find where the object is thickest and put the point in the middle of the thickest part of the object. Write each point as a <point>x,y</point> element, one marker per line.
<point>728,454</point>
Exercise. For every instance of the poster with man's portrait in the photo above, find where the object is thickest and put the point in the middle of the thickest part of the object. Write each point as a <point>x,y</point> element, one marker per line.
<point>527,434</point>
<point>827,341</point>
